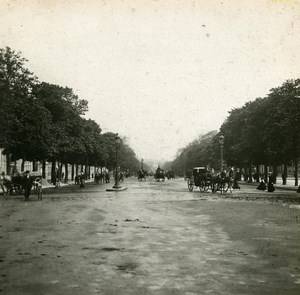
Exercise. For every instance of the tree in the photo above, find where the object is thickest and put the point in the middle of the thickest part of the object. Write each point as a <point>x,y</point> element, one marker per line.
<point>24,121</point>
<point>66,124</point>
<point>283,123</point>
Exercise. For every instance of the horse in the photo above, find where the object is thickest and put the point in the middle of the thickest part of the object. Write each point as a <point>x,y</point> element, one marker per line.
<point>222,183</point>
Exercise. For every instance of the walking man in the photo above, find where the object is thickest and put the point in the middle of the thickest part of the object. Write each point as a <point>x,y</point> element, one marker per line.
<point>27,185</point>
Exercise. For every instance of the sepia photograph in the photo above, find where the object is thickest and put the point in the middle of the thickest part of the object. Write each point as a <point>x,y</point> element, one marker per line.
<point>149,147</point>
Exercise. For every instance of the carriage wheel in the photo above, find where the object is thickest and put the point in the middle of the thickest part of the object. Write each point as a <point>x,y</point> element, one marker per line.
<point>190,185</point>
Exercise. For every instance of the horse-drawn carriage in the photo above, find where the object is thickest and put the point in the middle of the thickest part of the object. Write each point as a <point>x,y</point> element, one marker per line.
<point>141,175</point>
<point>159,175</point>
<point>170,174</point>
<point>205,179</point>
<point>16,184</point>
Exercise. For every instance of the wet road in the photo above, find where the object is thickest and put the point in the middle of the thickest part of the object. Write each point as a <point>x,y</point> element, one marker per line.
<point>153,238</point>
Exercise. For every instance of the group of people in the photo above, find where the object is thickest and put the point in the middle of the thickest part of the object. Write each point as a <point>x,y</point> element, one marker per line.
<point>102,177</point>
<point>80,179</point>
<point>26,184</point>
<point>269,185</point>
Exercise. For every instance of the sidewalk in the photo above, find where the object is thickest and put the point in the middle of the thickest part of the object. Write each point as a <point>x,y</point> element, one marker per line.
<point>290,184</point>
<point>47,184</point>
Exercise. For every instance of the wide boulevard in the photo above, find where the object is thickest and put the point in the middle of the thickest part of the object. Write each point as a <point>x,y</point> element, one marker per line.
<point>153,238</point>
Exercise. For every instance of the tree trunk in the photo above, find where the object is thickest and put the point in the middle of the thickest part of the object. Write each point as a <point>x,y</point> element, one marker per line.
<point>34,165</point>
<point>257,173</point>
<point>53,172</point>
<point>66,173</point>
<point>44,168</point>
<point>275,172</point>
<point>73,171</point>
<point>8,172</point>
<point>60,166</point>
<point>266,170</point>
<point>284,175</point>
<point>76,170</point>
<point>23,165</point>
<point>296,172</point>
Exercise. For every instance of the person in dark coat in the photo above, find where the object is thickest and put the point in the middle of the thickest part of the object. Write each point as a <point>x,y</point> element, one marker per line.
<point>27,185</point>
<point>107,177</point>
<point>82,180</point>
<point>271,187</point>
<point>262,185</point>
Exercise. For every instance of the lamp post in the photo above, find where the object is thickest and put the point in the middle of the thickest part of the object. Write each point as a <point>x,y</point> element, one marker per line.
<point>117,138</point>
<point>221,142</point>
<point>117,186</point>
<point>142,164</point>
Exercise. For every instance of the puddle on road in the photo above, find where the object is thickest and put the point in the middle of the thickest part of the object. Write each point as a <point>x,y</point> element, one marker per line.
<point>127,267</point>
<point>109,249</point>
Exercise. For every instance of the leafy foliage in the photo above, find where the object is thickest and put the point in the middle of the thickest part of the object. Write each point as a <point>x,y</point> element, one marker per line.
<point>42,121</point>
<point>264,131</point>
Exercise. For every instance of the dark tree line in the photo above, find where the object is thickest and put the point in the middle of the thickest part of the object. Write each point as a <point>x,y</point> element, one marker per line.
<point>41,121</point>
<point>262,132</point>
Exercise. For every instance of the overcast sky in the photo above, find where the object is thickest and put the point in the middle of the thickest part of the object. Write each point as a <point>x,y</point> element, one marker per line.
<point>158,72</point>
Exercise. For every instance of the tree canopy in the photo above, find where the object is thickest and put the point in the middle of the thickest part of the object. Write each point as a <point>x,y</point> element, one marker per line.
<point>264,131</point>
<point>43,121</point>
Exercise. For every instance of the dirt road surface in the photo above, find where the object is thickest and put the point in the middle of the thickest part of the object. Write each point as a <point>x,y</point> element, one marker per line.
<point>153,238</point>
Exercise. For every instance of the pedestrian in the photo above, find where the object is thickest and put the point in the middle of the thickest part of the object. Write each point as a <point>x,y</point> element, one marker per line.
<point>107,177</point>
<point>262,185</point>
<point>271,187</point>
<point>27,182</point>
<point>236,181</point>
<point>283,176</point>
<point>58,177</point>
<point>82,180</point>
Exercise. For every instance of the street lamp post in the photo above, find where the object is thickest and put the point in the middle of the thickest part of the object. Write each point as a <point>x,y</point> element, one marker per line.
<point>142,164</point>
<point>117,186</point>
<point>221,141</point>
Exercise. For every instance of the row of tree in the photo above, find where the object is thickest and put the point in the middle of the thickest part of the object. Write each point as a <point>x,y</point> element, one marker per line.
<point>42,121</point>
<point>262,132</point>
